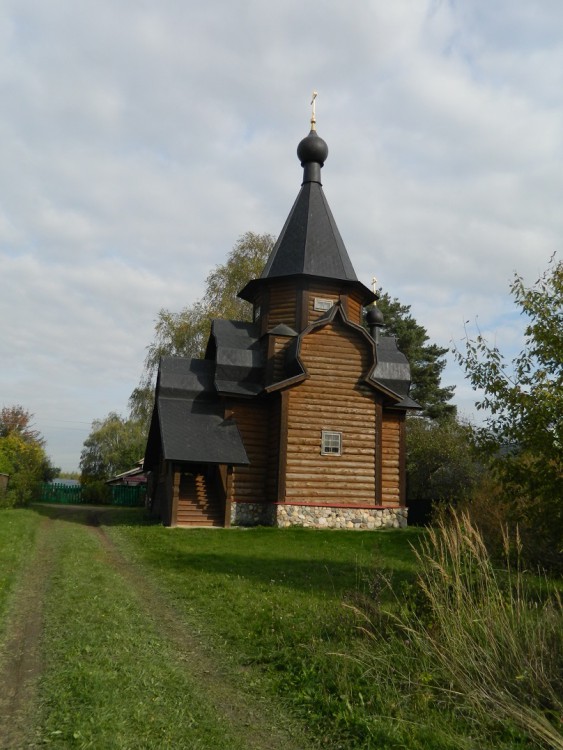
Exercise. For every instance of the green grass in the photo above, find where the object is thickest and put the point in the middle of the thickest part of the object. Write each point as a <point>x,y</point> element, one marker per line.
<point>310,621</point>
<point>17,532</point>
<point>273,600</point>
<point>111,681</point>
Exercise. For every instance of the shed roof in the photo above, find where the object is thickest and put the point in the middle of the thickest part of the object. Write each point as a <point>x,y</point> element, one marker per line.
<point>197,432</point>
<point>392,369</point>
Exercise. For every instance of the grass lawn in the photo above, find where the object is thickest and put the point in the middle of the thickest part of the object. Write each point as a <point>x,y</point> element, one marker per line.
<point>275,600</point>
<point>240,618</point>
<point>111,679</point>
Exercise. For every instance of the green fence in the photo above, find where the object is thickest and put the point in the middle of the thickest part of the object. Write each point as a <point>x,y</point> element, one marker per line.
<point>61,493</point>
<point>128,496</point>
<point>125,496</point>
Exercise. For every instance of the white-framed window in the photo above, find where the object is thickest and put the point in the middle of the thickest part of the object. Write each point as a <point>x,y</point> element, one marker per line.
<point>322,304</point>
<point>257,313</point>
<point>331,443</point>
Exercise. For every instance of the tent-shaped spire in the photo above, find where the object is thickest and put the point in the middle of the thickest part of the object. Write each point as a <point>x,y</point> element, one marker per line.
<point>309,243</point>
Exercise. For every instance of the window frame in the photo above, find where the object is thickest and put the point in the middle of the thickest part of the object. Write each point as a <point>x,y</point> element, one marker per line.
<point>327,446</point>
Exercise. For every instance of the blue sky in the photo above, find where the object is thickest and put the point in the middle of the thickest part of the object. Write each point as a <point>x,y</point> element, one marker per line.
<point>140,139</point>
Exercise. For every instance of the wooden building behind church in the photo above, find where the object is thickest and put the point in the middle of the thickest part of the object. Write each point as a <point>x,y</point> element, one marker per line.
<point>299,416</point>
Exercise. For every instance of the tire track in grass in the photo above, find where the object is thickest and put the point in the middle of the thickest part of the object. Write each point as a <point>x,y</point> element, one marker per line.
<point>257,724</point>
<point>21,660</point>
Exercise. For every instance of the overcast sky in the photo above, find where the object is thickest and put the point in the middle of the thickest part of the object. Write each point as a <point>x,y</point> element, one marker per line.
<point>139,139</point>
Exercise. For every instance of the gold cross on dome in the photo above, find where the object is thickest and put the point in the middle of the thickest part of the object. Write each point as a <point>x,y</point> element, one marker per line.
<point>374,284</point>
<point>313,112</point>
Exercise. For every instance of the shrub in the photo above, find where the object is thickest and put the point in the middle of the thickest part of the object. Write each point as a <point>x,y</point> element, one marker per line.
<point>97,493</point>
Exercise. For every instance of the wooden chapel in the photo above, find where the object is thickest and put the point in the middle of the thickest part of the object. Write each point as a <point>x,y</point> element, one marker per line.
<point>299,416</point>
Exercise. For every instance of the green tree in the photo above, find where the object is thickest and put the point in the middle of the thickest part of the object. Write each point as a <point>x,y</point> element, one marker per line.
<point>185,333</point>
<point>17,420</point>
<point>523,431</point>
<point>114,445</point>
<point>427,361</point>
<point>22,456</point>
<point>441,463</point>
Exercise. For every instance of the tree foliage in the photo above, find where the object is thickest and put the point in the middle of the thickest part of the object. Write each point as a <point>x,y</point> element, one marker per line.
<point>114,445</point>
<point>427,361</point>
<point>22,456</point>
<point>441,465</point>
<point>185,333</point>
<point>17,420</point>
<point>523,432</point>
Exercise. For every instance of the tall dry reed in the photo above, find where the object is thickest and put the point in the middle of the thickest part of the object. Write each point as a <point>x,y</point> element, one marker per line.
<point>495,637</point>
<point>468,640</point>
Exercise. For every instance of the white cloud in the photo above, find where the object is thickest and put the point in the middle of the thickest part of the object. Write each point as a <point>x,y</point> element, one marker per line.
<point>139,141</point>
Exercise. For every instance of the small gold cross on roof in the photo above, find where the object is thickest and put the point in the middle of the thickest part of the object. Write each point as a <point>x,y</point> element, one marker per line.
<point>313,113</point>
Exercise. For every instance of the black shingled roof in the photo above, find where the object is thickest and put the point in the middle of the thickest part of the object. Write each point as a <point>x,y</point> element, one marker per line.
<point>188,420</point>
<point>310,243</point>
<point>392,369</point>
<point>239,361</point>
<point>198,432</point>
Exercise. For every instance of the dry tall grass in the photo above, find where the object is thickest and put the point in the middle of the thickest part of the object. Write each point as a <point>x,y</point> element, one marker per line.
<point>487,642</point>
<point>497,640</point>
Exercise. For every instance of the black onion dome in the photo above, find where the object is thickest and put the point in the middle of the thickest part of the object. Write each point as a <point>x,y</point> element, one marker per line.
<point>374,317</point>
<point>312,149</point>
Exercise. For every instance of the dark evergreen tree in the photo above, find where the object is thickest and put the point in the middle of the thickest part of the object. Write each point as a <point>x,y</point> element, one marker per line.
<point>427,361</point>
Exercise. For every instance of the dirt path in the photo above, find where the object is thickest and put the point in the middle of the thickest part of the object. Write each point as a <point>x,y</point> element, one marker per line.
<point>257,722</point>
<point>20,657</point>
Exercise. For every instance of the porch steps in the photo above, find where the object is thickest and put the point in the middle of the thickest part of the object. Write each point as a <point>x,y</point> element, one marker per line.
<point>197,503</point>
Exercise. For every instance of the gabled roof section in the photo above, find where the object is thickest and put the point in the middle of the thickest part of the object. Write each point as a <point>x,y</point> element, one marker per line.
<point>180,377</point>
<point>392,369</point>
<point>282,330</point>
<point>310,243</point>
<point>239,362</point>
<point>188,422</point>
<point>389,374</point>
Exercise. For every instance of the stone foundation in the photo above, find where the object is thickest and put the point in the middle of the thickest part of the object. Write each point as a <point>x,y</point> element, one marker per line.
<point>319,517</point>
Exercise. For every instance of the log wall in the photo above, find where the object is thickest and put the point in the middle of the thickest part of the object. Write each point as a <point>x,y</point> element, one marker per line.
<point>282,305</point>
<point>333,398</point>
<point>391,439</point>
<point>351,302</point>
<point>277,361</point>
<point>355,309</point>
<point>250,482</point>
<point>295,306</point>
<point>274,414</point>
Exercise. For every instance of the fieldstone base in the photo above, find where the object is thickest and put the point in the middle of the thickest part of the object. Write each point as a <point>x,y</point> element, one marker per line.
<point>320,517</point>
